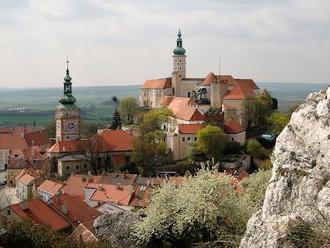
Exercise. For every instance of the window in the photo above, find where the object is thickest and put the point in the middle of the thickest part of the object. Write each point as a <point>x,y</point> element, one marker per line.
<point>188,138</point>
<point>195,138</point>
<point>8,211</point>
<point>183,139</point>
<point>77,167</point>
<point>188,94</point>
<point>67,168</point>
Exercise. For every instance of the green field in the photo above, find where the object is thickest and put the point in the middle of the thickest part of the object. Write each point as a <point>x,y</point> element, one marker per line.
<point>39,104</point>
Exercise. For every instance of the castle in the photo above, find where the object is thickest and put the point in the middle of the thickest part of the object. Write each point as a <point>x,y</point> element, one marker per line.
<point>194,101</point>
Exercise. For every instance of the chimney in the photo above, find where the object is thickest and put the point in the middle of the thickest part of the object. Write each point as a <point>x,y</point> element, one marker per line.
<point>64,208</point>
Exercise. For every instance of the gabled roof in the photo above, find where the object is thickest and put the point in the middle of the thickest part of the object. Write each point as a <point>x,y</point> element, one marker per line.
<point>50,187</point>
<point>13,141</point>
<point>189,128</point>
<point>107,140</point>
<point>116,194</point>
<point>161,83</point>
<point>40,213</point>
<point>210,78</point>
<point>75,185</point>
<point>77,209</point>
<point>183,108</point>
<point>165,100</point>
<point>26,179</point>
<point>37,138</point>
<point>233,127</point>
<point>241,91</point>
<point>69,146</point>
<point>250,82</point>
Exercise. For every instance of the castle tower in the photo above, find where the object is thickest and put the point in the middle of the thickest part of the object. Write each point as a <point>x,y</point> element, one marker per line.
<point>67,113</point>
<point>179,65</point>
<point>217,92</point>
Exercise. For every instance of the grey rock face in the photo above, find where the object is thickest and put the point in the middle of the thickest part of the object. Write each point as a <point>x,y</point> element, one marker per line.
<point>300,183</point>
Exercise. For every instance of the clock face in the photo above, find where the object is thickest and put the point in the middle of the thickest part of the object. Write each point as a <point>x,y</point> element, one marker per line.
<point>71,126</point>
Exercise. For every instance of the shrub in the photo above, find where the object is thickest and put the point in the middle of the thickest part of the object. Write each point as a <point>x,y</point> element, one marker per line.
<point>256,149</point>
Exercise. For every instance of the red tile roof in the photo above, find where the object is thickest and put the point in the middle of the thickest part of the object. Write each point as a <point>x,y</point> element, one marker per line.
<point>112,141</point>
<point>75,185</point>
<point>114,179</point>
<point>82,233</point>
<point>13,141</point>
<point>69,146</point>
<point>117,194</point>
<point>210,78</point>
<point>165,100</point>
<point>50,187</point>
<point>26,179</point>
<point>189,128</point>
<point>241,90</point>
<point>184,108</point>
<point>37,138</point>
<point>161,83</point>
<point>77,209</point>
<point>40,213</point>
<point>233,127</point>
<point>141,197</point>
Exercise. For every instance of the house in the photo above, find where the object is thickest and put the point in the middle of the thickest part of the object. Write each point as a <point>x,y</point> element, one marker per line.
<point>48,189</point>
<point>184,136</point>
<point>112,146</point>
<point>37,211</point>
<point>235,132</point>
<point>75,209</point>
<point>25,185</point>
<point>35,167</point>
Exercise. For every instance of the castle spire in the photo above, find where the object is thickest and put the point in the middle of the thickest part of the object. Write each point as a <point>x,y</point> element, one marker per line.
<point>179,50</point>
<point>68,98</point>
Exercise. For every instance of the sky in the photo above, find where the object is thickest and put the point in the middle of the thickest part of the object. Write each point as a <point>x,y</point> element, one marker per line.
<point>122,42</point>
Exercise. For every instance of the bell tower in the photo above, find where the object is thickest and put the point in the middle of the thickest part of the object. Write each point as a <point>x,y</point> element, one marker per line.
<point>179,65</point>
<point>67,113</point>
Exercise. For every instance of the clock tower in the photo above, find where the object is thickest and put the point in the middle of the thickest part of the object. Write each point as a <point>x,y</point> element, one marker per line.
<point>67,113</point>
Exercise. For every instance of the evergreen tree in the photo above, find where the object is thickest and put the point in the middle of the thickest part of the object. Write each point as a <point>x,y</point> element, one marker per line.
<point>116,121</point>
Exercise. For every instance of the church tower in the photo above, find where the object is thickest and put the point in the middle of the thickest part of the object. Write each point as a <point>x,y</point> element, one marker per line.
<point>67,113</point>
<point>179,65</point>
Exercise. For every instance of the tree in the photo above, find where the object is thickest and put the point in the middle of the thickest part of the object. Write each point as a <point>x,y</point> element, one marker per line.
<point>211,140</point>
<point>255,149</point>
<point>149,149</point>
<point>205,209</point>
<point>153,119</point>
<point>98,155</point>
<point>150,146</point>
<point>259,109</point>
<point>127,108</point>
<point>50,129</point>
<point>277,121</point>
<point>116,121</point>
<point>29,235</point>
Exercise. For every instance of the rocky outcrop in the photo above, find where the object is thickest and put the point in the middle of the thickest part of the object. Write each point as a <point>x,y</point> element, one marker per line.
<point>300,185</point>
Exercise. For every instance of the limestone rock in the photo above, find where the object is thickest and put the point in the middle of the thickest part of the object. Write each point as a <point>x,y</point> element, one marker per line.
<point>300,184</point>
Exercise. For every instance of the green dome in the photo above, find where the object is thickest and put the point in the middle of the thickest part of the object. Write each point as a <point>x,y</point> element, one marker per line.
<point>179,50</point>
<point>67,99</point>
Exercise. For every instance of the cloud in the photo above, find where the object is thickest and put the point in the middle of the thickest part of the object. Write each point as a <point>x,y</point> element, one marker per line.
<point>128,41</point>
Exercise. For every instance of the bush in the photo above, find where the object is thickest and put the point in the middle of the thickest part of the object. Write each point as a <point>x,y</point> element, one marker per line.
<point>255,149</point>
<point>206,208</point>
